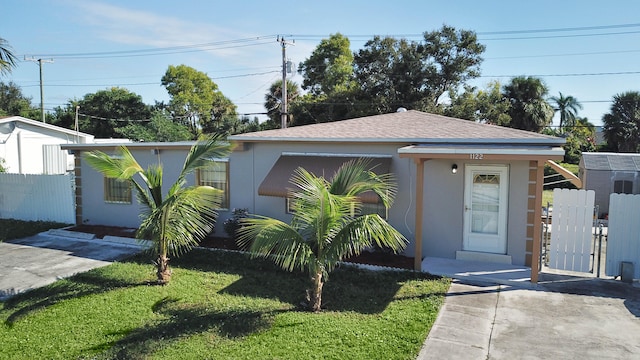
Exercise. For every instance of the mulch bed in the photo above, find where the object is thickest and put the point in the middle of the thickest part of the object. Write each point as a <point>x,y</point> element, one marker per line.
<point>371,258</point>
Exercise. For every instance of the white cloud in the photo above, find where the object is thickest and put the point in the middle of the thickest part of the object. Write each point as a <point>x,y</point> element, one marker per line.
<point>148,29</point>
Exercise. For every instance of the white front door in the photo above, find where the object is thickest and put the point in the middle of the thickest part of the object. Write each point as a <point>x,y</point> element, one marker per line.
<point>485,208</point>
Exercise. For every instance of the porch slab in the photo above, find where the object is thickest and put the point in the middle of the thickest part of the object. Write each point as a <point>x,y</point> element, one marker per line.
<point>479,272</point>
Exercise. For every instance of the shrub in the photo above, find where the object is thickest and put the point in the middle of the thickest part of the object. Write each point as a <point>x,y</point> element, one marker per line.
<point>233,224</point>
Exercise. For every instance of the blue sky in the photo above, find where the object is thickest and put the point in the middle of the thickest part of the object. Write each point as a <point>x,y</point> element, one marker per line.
<point>99,44</point>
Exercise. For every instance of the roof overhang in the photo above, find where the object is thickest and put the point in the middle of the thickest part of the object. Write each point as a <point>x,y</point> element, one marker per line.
<point>471,152</point>
<point>277,182</point>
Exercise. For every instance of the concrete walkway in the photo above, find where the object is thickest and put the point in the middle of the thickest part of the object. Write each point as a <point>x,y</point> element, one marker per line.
<point>562,317</point>
<point>42,259</point>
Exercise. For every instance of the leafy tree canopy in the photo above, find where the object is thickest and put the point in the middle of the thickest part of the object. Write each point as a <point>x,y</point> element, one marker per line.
<point>480,105</point>
<point>103,112</point>
<point>196,100</point>
<point>14,103</point>
<point>330,66</point>
<point>159,128</point>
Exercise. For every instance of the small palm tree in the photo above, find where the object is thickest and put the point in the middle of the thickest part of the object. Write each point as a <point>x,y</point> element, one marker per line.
<point>177,223</point>
<point>325,228</point>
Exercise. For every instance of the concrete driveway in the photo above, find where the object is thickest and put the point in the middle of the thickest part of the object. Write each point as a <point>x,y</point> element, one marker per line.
<point>42,259</point>
<point>563,317</point>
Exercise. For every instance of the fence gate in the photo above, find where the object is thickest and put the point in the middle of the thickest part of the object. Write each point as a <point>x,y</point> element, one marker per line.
<point>623,242</point>
<point>571,229</point>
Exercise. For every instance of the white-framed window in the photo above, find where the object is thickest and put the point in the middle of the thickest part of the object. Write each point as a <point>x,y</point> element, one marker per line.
<point>116,191</point>
<point>217,176</point>
<point>623,187</point>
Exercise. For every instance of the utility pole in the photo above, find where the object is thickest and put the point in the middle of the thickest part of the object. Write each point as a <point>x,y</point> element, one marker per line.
<point>283,112</point>
<point>40,61</point>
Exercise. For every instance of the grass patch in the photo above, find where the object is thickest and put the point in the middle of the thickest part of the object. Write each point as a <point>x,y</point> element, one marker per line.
<point>547,197</point>
<point>15,229</point>
<point>220,305</point>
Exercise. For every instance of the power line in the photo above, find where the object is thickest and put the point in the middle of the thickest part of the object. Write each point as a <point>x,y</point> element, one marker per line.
<point>567,75</point>
<point>167,50</point>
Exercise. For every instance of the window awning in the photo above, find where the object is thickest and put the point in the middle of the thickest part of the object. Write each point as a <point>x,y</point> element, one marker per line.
<point>276,183</point>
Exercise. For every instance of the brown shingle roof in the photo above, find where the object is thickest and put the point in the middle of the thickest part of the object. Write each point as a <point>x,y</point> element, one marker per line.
<point>410,126</point>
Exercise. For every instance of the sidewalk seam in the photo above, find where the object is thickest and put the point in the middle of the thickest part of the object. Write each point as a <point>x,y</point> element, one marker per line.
<point>493,322</point>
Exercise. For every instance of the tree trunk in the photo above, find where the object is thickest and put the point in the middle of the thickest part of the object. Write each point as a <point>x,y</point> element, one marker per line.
<point>315,301</point>
<point>164,272</point>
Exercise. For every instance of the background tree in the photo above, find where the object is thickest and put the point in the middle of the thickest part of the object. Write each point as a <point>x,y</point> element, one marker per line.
<point>329,79</point>
<point>330,66</point>
<point>105,110</point>
<point>580,137</point>
<point>480,105</point>
<point>224,115</point>
<point>159,128</point>
<point>324,230</point>
<point>389,75</point>
<point>7,59</point>
<point>14,103</point>
<point>394,73</point>
<point>240,125</point>
<point>567,107</point>
<point>195,99</point>
<point>273,101</point>
<point>451,57</point>
<point>180,221</point>
<point>621,126</point>
<point>529,110</point>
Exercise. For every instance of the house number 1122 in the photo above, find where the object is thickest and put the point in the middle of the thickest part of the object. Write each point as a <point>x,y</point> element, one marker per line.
<point>476,156</point>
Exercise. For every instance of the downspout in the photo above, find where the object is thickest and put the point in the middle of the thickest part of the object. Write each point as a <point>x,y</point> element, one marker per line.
<point>19,143</point>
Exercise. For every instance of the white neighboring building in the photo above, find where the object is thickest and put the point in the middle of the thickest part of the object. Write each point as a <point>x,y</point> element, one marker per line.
<point>33,147</point>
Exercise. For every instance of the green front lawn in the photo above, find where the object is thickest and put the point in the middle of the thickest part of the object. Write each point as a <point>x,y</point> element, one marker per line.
<point>220,305</point>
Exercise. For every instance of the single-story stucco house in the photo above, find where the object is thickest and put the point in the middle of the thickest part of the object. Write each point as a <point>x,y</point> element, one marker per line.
<point>465,190</point>
<point>608,173</point>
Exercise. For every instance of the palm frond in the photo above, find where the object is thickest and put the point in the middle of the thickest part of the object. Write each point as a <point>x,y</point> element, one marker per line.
<point>356,177</point>
<point>359,234</point>
<point>153,176</point>
<point>182,220</point>
<point>203,152</point>
<point>271,238</point>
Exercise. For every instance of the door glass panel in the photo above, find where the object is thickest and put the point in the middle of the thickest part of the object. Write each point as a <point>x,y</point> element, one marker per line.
<point>485,203</point>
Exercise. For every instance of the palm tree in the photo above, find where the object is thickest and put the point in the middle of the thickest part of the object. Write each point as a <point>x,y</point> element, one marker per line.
<point>568,107</point>
<point>7,59</point>
<point>621,126</point>
<point>273,100</point>
<point>180,221</point>
<point>325,228</point>
<point>529,110</point>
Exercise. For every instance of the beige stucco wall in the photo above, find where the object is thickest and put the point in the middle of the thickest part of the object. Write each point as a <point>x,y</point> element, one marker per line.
<point>443,217</point>
<point>96,211</point>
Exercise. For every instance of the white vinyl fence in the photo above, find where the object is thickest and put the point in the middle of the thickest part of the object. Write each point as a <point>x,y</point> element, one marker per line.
<point>37,197</point>
<point>623,239</point>
<point>571,229</point>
